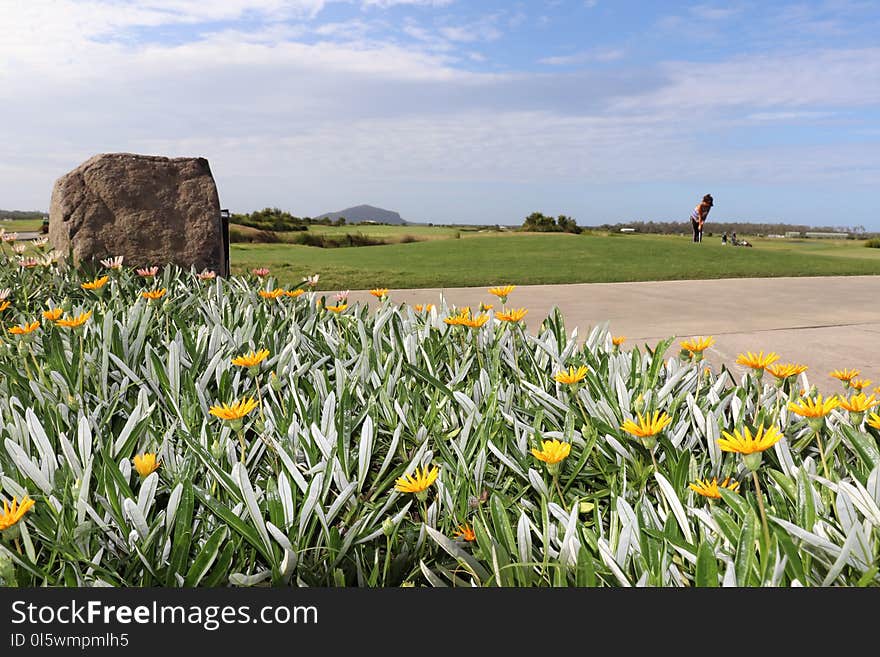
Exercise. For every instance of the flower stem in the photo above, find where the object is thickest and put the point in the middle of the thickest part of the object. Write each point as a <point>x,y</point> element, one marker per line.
<point>822,455</point>
<point>764,526</point>
<point>242,443</point>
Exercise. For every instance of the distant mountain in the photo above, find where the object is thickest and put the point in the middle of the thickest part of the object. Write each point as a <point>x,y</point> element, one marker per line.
<point>360,213</point>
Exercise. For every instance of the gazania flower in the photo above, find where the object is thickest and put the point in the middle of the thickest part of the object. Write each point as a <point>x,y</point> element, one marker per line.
<point>648,426</point>
<point>746,443</point>
<point>271,294</point>
<point>859,403</point>
<point>40,242</point>
<point>96,284</point>
<point>52,314</point>
<point>418,482</point>
<point>814,408</point>
<point>502,292</point>
<point>24,329</point>
<point>260,271</point>
<point>252,359</point>
<point>146,463</point>
<point>859,384</point>
<point>552,451</point>
<point>294,293</point>
<point>10,237</point>
<point>618,340</point>
<point>486,307</point>
<point>12,514</point>
<point>4,293</point>
<point>4,305</point>
<point>785,370</point>
<point>845,375</point>
<point>708,488</point>
<point>874,421</point>
<point>697,345</point>
<point>338,308</point>
<point>73,322</point>
<point>513,315</point>
<point>148,272</point>
<point>342,297</point>
<point>311,281</point>
<point>234,411</point>
<point>207,275</point>
<point>19,248</point>
<point>152,295</point>
<point>572,375</point>
<point>423,307</point>
<point>28,263</point>
<point>757,361</point>
<point>475,322</point>
<point>112,263</point>
<point>458,319</point>
<point>465,532</point>
<point>379,292</point>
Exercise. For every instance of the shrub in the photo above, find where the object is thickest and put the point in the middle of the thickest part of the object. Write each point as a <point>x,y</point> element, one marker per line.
<point>873,243</point>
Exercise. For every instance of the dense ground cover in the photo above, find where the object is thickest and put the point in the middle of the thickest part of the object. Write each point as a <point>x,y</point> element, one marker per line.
<point>176,430</point>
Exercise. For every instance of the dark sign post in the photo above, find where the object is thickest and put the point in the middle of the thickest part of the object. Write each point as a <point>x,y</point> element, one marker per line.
<point>224,231</point>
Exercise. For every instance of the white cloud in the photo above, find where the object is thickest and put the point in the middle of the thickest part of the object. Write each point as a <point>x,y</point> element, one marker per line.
<point>596,55</point>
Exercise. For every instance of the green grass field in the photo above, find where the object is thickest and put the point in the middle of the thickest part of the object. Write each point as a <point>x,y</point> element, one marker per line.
<point>492,258</point>
<point>20,225</point>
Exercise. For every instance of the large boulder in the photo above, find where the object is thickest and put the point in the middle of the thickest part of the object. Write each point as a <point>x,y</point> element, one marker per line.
<point>151,210</point>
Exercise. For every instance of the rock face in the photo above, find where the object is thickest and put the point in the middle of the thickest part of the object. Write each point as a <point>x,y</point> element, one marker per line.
<point>151,210</point>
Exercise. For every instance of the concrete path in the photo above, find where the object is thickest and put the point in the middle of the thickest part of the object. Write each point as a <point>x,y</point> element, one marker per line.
<point>827,322</point>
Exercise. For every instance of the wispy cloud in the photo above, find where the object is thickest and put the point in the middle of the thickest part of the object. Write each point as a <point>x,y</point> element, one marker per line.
<point>596,55</point>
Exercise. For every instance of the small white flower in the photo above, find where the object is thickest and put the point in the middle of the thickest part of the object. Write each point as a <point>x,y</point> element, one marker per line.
<point>4,293</point>
<point>19,248</point>
<point>10,237</point>
<point>312,280</point>
<point>342,296</point>
<point>112,263</point>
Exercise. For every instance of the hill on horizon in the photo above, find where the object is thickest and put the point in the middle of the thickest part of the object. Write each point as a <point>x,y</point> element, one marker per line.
<point>359,213</point>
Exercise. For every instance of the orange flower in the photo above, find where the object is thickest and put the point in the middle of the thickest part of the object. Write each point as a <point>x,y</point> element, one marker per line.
<point>96,284</point>
<point>24,329</point>
<point>337,309</point>
<point>379,292</point>
<point>858,384</point>
<point>152,295</point>
<point>859,403</point>
<point>52,314</point>
<point>697,345</point>
<point>502,292</point>
<point>271,294</point>
<point>293,294</point>
<point>785,370</point>
<point>465,532</point>
<point>618,340</point>
<point>513,315</point>
<point>757,361</point>
<point>845,375</point>
<point>4,305</point>
<point>423,308</point>
<point>73,322</point>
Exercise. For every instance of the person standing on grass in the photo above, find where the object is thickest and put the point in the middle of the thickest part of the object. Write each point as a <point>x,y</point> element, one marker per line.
<point>698,216</point>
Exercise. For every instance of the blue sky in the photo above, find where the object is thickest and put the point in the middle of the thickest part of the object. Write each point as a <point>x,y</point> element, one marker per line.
<point>453,111</point>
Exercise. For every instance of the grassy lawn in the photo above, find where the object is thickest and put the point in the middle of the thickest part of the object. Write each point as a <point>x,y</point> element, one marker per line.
<point>491,258</point>
<point>20,225</point>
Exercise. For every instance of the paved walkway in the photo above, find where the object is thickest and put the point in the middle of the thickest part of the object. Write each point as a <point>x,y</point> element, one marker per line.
<point>826,322</point>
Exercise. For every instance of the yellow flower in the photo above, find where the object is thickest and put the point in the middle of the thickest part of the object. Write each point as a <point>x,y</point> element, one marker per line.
<point>697,345</point>
<point>814,408</point>
<point>12,514</point>
<point>146,463</point>
<point>475,322</point>
<point>785,370</point>
<point>552,451</point>
<point>236,410</point>
<point>647,426</point>
<point>419,481</point>
<point>251,359</point>
<point>858,384</point>
<point>24,329</point>
<point>423,308</point>
<point>757,361</point>
<point>459,319</point>
<point>4,305</point>
<point>572,375</point>
<point>874,421</point>
<point>337,309</point>
<point>96,284</point>
<point>708,488</point>
<point>271,294</point>
<point>845,375</point>
<point>485,307</point>
<point>152,295</point>
<point>859,403</point>
<point>513,315</point>
<point>73,322</point>
<point>379,292</point>
<point>503,291</point>
<point>52,314</point>
<point>618,340</point>
<point>293,293</point>
<point>745,443</point>
<point>466,532</point>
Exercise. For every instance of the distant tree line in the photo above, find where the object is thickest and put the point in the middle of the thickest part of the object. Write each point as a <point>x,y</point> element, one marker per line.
<point>281,220</point>
<point>13,215</point>
<point>539,222</point>
<point>739,227</point>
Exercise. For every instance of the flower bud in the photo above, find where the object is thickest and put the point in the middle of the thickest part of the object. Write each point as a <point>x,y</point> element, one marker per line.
<point>274,382</point>
<point>639,404</point>
<point>753,460</point>
<point>75,488</point>
<point>216,449</point>
<point>387,527</point>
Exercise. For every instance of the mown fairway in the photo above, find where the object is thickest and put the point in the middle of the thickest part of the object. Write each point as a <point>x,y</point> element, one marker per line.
<point>487,258</point>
